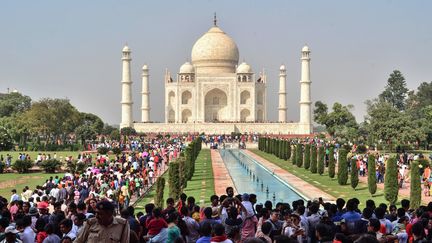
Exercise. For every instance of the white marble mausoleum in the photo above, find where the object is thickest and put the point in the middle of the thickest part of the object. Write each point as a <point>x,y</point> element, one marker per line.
<point>213,93</point>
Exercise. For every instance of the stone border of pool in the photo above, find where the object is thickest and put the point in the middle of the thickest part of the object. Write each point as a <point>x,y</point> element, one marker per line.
<point>222,179</point>
<point>298,185</point>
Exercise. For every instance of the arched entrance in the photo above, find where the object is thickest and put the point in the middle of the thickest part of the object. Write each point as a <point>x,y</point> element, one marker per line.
<point>186,115</point>
<point>244,115</point>
<point>215,106</point>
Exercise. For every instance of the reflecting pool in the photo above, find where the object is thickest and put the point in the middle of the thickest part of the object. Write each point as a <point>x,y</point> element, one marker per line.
<point>251,177</point>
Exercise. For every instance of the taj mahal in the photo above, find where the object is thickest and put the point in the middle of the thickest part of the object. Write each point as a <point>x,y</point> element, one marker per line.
<point>215,94</point>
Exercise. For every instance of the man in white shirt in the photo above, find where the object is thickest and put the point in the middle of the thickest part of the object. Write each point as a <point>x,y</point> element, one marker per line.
<point>15,196</point>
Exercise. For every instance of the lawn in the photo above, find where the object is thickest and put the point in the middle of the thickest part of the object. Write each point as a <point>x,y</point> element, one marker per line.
<point>201,186</point>
<point>17,181</point>
<point>324,182</point>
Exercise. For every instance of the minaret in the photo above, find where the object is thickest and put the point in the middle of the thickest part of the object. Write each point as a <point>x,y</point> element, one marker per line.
<point>282,94</point>
<point>145,108</point>
<point>126,101</point>
<point>305,99</point>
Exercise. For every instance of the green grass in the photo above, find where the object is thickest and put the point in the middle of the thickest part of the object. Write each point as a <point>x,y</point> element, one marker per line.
<point>324,182</point>
<point>201,186</point>
<point>19,181</point>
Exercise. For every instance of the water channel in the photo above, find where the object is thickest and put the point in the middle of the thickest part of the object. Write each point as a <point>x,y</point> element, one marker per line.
<point>251,177</point>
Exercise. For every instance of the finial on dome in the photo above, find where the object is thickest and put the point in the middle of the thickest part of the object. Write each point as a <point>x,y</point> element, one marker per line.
<point>215,20</point>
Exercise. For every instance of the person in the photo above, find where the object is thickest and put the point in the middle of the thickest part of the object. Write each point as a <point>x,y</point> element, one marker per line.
<point>28,235</point>
<point>205,233</point>
<point>10,235</point>
<point>51,236</point>
<point>219,234</point>
<point>14,196</point>
<point>104,227</point>
<point>66,229</point>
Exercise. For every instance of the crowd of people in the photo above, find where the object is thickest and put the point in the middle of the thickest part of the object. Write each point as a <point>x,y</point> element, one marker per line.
<point>229,218</point>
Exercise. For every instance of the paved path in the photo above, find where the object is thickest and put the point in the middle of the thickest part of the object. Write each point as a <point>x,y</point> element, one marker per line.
<point>222,178</point>
<point>300,185</point>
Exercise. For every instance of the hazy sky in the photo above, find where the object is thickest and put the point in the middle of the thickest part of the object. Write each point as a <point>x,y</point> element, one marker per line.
<point>72,49</point>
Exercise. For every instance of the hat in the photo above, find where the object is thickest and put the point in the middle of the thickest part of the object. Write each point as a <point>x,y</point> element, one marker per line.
<point>42,205</point>
<point>245,197</point>
<point>105,205</point>
<point>32,211</point>
<point>11,229</point>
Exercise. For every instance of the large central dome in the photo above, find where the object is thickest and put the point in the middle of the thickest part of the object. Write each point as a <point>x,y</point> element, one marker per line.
<point>215,52</point>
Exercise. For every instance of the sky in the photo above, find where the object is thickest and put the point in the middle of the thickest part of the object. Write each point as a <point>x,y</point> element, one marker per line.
<point>72,49</point>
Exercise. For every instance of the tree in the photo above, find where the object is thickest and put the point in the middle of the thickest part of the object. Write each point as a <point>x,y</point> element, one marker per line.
<point>92,121</point>
<point>415,186</point>
<point>127,131</point>
<point>386,123</point>
<point>321,157</point>
<point>160,187</point>
<point>13,103</point>
<point>372,186</point>
<point>340,122</point>
<point>391,186</point>
<point>354,174</point>
<point>307,156</point>
<point>85,132</point>
<point>313,166</point>
<point>332,164</point>
<point>299,155</point>
<point>288,149</point>
<point>395,91</point>
<point>342,167</point>
<point>5,140</point>
<point>174,180</point>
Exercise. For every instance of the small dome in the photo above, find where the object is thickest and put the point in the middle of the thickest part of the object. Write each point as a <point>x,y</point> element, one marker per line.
<point>282,67</point>
<point>244,68</point>
<point>305,49</point>
<point>187,68</point>
<point>145,67</point>
<point>126,49</point>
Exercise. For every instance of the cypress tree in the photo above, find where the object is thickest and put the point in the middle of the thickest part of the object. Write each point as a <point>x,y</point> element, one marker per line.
<point>372,186</point>
<point>354,174</point>
<point>285,150</point>
<point>183,174</point>
<point>300,155</point>
<point>281,149</point>
<point>174,180</point>
<point>313,163</point>
<point>307,156</point>
<point>276,152</point>
<point>342,167</point>
<point>266,144</point>
<point>391,186</point>
<point>415,187</point>
<point>321,157</point>
<point>332,163</point>
<point>294,154</point>
<point>160,187</point>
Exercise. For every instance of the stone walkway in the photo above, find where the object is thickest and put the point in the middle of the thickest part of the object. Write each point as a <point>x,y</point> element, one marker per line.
<point>222,178</point>
<point>300,185</point>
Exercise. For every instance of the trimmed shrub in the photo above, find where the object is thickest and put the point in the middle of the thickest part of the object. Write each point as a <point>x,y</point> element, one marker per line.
<point>307,156</point>
<point>321,158</point>
<point>76,167</point>
<point>361,149</point>
<point>354,174</point>
<point>182,172</point>
<point>102,150</point>
<point>391,186</point>
<point>22,166</point>
<point>342,167</point>
<point>116,150</point>
<point>160,187</point>
<point>313,166</point>
<point>415,185</point>
<point>174,180</point>
<point>288,146</point>
<point>299,155</point>
<point>51,165</point>
<point>372,184</point>
<point>332,163</point>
